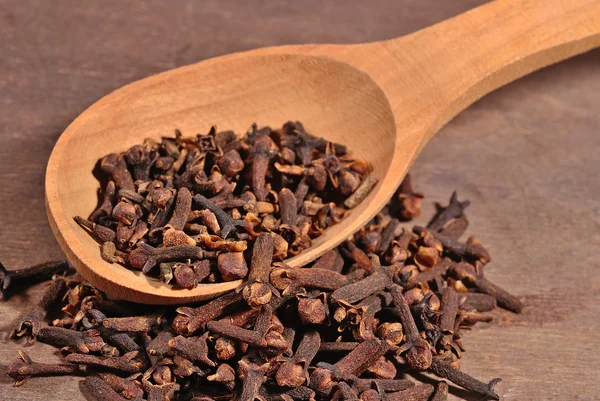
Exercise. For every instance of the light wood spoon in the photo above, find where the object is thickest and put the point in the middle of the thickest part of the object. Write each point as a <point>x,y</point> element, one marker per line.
<point>384,100</point>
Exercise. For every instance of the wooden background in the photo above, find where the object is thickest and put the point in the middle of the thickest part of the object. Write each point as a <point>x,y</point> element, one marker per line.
<point>527,156</point>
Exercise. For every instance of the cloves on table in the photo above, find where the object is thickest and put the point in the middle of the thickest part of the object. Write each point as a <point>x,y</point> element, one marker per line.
<point>23,368</point>
<point>389,301</point>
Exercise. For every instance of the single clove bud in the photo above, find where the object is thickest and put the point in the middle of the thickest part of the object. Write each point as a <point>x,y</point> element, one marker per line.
<point>421,392</point>
<point>116,167</point>
<point>32,322</point>
<point>195,318</point>
<point>419,353</point>
<point>361,289</point>
<point>134,324</point>
<point>192,348</point>
<point>466,272</point>
<point>100,390</point>
<point>455,209</point>
<point>233,332</point>
<point>76,340</point>
<point>31,274</point>
<point>105,208</point>
<point>257,291</point>
<point>103,234</point>
<point>23,368</point>
<point>294,372</point>
<point>125,364</point>
<point>228,224</point>
<point>322,379</point>
<point>127,387</point>
<point>463,380</point>
<point>183,206</point>
<point>145,257</point>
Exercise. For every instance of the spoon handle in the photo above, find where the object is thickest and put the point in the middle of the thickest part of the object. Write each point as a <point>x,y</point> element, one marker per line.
<point>456,62</point>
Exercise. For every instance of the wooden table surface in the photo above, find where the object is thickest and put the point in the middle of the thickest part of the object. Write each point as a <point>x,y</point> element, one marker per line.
<point>527,156</point>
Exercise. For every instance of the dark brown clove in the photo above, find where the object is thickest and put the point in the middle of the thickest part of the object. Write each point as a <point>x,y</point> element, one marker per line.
<point>30,274</point>
<point>454,210</point>
<point>463,380</point>
<point>436,271</point>
<point>455,229</point>
<point>138,158</point>
<point>127,387</point>
<point>139,324</point>
<point>233,332</point>
<point>360,257</point>
<point>105,208</point>
<point>116,167</point>
<point>448,311</point>
<point>288,279</point>
<point>361,289</point>
<point>382,385</point>
<point>257,290</point>
<point>337,346</point>
<point>145,257</point>
<point>31,323</point>
<point>192,348</point>
<point>254,377</point>
<point>76,340</point>
<point>100,390</point>
<point>322,380</point>
<point>128,363</point>
<point>103,234</point>
<point>410,201</point>
<point>232,266</point>
<point>183,206</point>
<point>421,392</point>
<point>198,317</point>
<point>228,224</point>
<point>294,373</point>
<point>477,301</point>
<point>287,206</point>
<point>346,393</point>
<point>466,273</point>
<point>331,260</point>
<point>419,353</point>
<point>23,368</point>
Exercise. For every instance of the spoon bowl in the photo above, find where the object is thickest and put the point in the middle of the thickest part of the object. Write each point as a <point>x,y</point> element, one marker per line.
<point>384,100</point>
<point>267,89</point>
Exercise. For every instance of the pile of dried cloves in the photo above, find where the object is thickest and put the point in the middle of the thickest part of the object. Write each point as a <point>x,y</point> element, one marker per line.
<point>389,302</point>
<point>189,207</point>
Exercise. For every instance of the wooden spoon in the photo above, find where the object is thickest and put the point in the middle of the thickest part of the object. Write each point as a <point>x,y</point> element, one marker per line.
<point>384,100</point>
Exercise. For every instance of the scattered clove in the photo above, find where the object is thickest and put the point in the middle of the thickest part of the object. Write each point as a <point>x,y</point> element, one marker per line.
<point>390,300</point>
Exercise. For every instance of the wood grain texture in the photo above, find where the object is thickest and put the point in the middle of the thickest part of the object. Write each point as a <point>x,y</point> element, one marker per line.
<point>527,156</point>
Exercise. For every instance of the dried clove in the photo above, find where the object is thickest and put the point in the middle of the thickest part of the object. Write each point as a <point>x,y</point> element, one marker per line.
<point>455,209</point>
<point>23,368</point>
<point>127,363</point>
<point>32,322</point>
<point>31,274</point>
<point>463,380</point>
<point>294,373</point>
<point>465,273</point>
